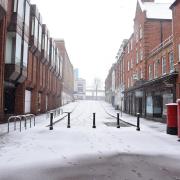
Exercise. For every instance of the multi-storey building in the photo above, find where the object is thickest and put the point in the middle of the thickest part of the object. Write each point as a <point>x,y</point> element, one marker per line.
<point>31,65</point>
<point>79,89</point>
<point>67,73</point>
<point>150,61</point>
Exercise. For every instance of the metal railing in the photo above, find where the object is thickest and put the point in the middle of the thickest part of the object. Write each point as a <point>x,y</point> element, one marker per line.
<point>56,112</point>
<point>165,43</point>
<point>24,118</point>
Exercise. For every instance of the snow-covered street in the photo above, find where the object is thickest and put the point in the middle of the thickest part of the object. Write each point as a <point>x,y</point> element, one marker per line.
<point>84,153</point>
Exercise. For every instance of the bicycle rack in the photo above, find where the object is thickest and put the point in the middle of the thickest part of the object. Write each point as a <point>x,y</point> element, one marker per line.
<point>21,117</point>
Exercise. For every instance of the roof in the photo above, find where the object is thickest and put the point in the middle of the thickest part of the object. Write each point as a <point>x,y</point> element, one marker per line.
<point>156,10</point>
<point>173,4</point>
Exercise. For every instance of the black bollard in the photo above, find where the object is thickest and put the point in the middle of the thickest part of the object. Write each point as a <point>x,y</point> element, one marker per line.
<point>69,119</point>
<point>138,122</point>
<point>94,120</point>
<point>118,123</point>
<point>51,122</point>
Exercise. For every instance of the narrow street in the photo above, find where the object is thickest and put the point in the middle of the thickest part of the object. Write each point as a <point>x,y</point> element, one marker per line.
<point>84,153</point>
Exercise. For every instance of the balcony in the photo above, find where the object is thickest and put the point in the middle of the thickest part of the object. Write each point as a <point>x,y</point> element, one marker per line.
<point>161,46</point>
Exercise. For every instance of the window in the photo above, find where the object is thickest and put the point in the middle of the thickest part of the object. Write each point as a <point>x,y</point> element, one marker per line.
<point>18,49</point>
<point>21,8</point>
<point>15,5</point>
<point>9,49</point>
<point>131,63</point>
<point>40,37</point>
<point>27,108</point>
<point>27,15</point>
<point>171,61</point>
<point>137,35</point>
<point>128,47</point>
<point>150,72</point>
<point>128,65</point>
<point>163,65</point>
<point>179,51</point>
<point>25,54</point>
<point>137,57</point>
<point>139,74</point>
<point>141,55</point>
<point>131,43</point>
<point>156,69</point>
<point>140,32</point>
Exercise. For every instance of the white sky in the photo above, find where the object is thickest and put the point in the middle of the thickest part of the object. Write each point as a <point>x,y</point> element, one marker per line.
<point>92,29</point>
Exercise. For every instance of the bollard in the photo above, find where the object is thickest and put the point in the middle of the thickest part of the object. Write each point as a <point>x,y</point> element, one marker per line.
<point>138,122</point>
<point>118,123</point>
<point>94,120</point>
<point>30,121</point>
<point>25,123</point>
<point>20,123</point>
<point>34,121</point>
<point>51,122</point>
<point>69,118</point>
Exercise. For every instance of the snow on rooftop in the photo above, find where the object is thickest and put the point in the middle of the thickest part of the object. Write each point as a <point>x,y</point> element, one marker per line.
<point>156,10</point>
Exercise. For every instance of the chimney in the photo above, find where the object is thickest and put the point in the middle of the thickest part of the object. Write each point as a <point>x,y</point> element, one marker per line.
<point>147,1</point>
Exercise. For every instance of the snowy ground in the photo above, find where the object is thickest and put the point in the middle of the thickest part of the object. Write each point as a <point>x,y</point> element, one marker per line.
<point>84,153</point>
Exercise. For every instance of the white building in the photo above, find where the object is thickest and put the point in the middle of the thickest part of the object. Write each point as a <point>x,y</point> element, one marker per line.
<point>79,89</point>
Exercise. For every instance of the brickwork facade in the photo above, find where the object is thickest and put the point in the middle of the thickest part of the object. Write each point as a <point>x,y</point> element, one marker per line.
<point>31,65</point>
<point>150,68</point>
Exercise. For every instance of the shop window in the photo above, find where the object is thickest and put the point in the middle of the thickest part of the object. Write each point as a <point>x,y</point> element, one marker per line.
<point>171,61</point>
<point>163,65</point>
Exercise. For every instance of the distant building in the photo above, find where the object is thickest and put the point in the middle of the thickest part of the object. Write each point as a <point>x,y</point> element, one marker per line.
<point>76,73</point>
<point>79,89</point>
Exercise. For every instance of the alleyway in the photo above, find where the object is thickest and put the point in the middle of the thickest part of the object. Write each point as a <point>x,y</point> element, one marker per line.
<point>84,153</point>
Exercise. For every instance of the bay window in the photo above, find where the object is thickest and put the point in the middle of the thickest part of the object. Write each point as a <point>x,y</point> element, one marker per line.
<point>40,37</point>
<point>21,8</point>
<point>18,49</point>
<point>27,14</point>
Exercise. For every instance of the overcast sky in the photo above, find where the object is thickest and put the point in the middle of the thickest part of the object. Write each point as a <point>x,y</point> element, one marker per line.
<point>92,29</point>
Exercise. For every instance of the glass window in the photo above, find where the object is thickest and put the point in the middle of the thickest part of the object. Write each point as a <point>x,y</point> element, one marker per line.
<point>179,51</point>
<point>18,49</point>
<point>156,69</point>
<point>36,28</point>
<point>137,57</point>
<point>140,32</point>
<point>163,65</point>
<point>141,54</point>
<point>171,61</point>
<point>33,26</point>
<point>21,8</point>
<point>25,54</point>
<point>61,66</point>
<point>150,72</point>
<point>43,41</point>
<point>27,15</point>
<point>9,50</point>
<point>40,36</point>
<point>128,65</point>
<point>15,5</point>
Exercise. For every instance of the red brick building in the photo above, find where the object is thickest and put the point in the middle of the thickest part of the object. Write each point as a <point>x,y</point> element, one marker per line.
<point>31,65</point>
<point>150,60</point>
